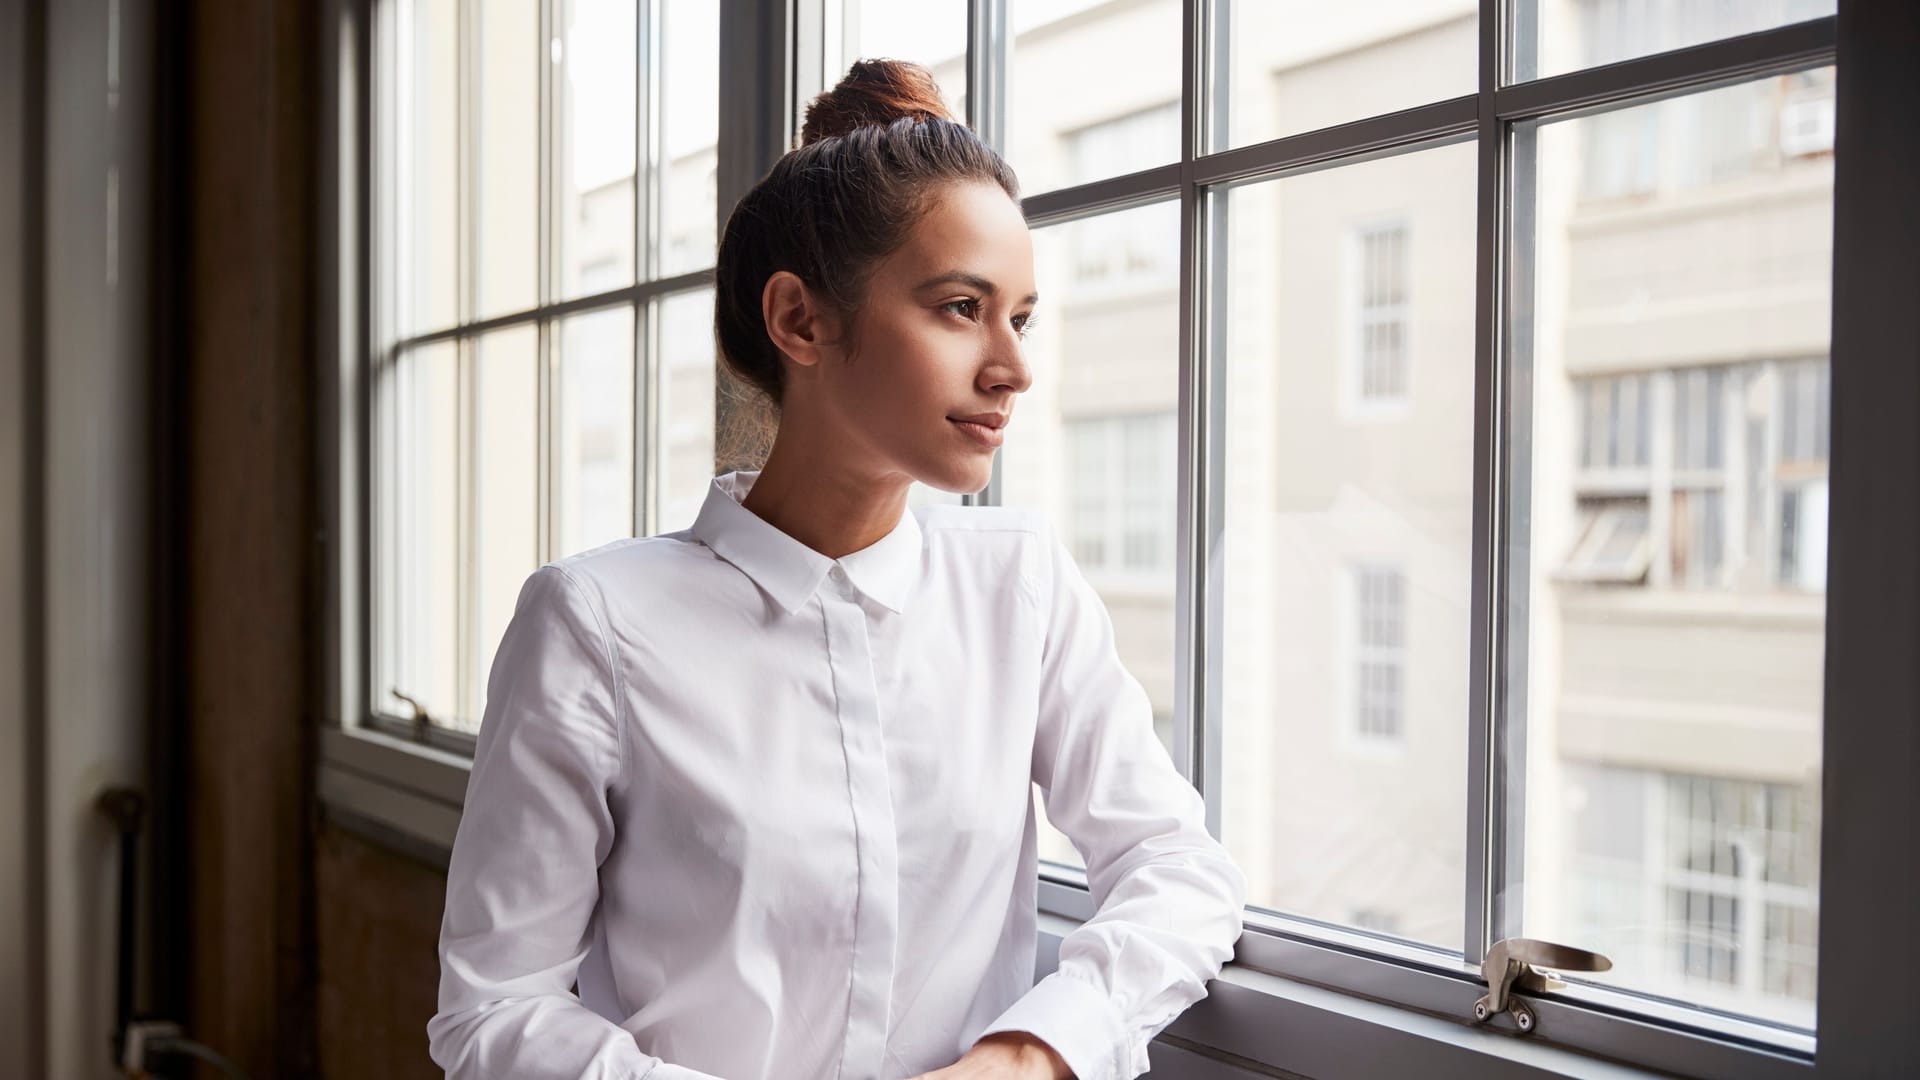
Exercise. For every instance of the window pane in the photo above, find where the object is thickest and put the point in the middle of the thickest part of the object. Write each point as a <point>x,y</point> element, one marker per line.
<point>928,32</point>
<point>506,155</point>
<point>1349,534</point>
<point>416,518</point>
<point>1093,90</point>
<point>426,136</point>
<point>593,429</point>
<point>1673,665</point>
<point>1092,440</point>
<point>686,406</point>
<point>503,538</point>
<point>1300,65</point>
<point>1587,33</point>
<point>689,122</point>
<point>593,158</point>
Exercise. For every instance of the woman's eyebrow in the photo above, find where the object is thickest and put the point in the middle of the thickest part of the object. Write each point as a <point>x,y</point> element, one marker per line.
<point>972,281</point>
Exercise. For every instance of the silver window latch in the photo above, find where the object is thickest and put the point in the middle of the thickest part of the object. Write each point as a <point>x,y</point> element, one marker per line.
<point>1514,964</point>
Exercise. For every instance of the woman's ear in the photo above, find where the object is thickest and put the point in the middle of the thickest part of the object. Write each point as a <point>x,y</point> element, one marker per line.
<point>797,322</point>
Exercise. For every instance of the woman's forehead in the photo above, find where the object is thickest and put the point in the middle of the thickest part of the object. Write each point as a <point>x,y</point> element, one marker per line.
<point>975,228</point>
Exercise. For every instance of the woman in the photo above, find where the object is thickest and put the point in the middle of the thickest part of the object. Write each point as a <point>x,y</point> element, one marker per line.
<point>762,786</point>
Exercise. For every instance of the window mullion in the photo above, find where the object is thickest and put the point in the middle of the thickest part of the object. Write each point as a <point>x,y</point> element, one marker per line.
<point>647,111</point>
<point>988,49</point>
<point>640,452</point>
<point>545,340</point>
<point>1492,462</point>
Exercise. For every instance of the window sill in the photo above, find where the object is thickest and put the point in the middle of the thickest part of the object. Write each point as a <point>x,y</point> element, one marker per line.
<point>1324,1019</point>
<point>1259,1022</point>
<point>402,794</point>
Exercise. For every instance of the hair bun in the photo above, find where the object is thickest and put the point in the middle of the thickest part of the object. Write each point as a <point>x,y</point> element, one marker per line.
<point>874,92</point>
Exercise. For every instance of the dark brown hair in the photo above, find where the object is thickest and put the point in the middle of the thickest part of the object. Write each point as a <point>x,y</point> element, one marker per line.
<point>873,154</point>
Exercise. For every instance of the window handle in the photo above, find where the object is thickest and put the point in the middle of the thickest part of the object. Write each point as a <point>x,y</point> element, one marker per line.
<point>1509,967</point>
<point>421,719</point>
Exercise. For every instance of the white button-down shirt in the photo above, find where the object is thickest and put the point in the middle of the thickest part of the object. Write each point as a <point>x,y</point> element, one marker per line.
<point>772,812</point>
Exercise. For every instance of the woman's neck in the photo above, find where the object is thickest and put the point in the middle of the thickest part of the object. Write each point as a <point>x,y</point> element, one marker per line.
<point>812,496</point>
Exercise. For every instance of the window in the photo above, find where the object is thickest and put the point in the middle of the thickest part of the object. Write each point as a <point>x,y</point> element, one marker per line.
<point>1690,467</point>
<point>1380,653</point>
<point>1122,486</point>
<point>543,379</point>
<point>1608,512</point>
<point>1679,614</point>
<point>1709,894</point>
<point>1381,281</point>
<point>1612,380</point>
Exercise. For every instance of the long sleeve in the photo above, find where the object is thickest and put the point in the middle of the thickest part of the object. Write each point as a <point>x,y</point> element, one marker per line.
<point>1168,898</point>
<point>523,883</point>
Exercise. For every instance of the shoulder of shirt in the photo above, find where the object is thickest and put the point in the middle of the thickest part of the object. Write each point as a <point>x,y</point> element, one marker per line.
<point>630,553</point>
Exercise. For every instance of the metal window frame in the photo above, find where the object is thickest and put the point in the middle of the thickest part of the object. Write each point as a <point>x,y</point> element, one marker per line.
<point>641,297</point>
<point>1298,991</point>
<point>1494,118</point>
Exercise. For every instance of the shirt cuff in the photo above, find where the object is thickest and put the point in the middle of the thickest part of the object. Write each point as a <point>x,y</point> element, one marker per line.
<point>1075,1018</point>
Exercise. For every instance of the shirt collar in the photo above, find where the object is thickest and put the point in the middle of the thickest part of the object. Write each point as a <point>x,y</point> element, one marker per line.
<point>790,571</point>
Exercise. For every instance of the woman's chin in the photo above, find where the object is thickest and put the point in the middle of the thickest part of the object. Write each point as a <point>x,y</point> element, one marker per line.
<point>964,478</point>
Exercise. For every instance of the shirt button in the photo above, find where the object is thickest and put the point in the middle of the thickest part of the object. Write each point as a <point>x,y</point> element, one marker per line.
<point>837,574</point>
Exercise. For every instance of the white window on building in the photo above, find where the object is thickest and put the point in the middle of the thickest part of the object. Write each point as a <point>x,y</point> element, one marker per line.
<point>1806,389</point>
<point>1735,455</point>
<point>1699,478</point>
<point>1124,252</point>
<point>1380,652</point>
<point>1121,522</point>
<point>1705,886</point>
<point>1740,871</point>
<point>1380,355</point>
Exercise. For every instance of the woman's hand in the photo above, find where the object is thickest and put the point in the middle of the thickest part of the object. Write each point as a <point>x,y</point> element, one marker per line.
<point>1005,1055</point>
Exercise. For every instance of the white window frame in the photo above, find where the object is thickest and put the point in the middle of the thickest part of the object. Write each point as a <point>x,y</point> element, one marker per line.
<point>1359,316</point>
<point>1356,653</point>
<point>1110,432</point>
<point>1340,988</point>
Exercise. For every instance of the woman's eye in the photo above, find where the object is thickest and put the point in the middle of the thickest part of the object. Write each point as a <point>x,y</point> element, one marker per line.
<point>971,306</point>
<point>1022,324</point>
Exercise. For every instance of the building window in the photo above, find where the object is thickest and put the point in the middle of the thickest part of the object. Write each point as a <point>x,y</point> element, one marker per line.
<point>1673,435</point>
<point>1380,652</point>
<point>1128,252</point>
<point>1121,520</point>
<point>1741,869</point>
<point>1381,282</point>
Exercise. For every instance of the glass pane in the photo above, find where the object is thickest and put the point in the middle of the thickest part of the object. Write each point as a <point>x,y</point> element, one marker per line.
<point>416,518</point>
<point>503,537</point>
<point>426,137</point>
<point>1673,541</point>
<point>1093,90</point>
<point>686,406</point>
<point>1586,33</point>
<point>593,159</point>
<point>689,123</point>
<point>1300,65</point>
<point>1092,440</point>
<point>928,32</point>
<point>1349,538</point>
<point>506,155</point>
<point>593,429</point>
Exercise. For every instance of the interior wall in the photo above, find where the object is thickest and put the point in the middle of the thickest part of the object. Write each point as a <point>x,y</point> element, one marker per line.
<point>378,970</point>
<point>250,542</point>
<point>94,513</point>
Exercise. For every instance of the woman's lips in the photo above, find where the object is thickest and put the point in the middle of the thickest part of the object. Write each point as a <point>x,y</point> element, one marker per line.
<point>985,435</point>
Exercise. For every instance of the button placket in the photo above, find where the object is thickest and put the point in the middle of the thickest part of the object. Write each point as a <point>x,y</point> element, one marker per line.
<point>876,903</point>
